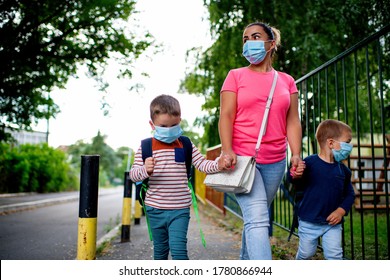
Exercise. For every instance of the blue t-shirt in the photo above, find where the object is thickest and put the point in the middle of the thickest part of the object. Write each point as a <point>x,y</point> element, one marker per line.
<point>326,186</point>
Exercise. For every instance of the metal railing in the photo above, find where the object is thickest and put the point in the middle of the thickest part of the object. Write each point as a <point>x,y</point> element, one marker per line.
<point>353,87</point>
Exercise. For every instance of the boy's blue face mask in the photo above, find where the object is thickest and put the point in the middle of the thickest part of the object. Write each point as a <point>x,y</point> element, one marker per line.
<point>167,134</point>
<point>343,153</point>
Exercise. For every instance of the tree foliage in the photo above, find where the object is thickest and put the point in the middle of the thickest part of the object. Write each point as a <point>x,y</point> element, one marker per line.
<point>43,42</point>
<point>312,32</point>
<point>108,160</point>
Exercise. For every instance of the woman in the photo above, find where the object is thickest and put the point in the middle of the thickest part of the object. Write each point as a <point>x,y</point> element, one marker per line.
<point>243,97</point>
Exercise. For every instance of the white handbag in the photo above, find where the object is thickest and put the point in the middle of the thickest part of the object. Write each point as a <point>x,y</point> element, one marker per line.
<point>237,180</point>
<point>240,178</point>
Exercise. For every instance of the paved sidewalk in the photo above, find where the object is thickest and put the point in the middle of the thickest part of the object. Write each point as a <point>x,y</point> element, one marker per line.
<point>24,201</point>
<point>222,244</point>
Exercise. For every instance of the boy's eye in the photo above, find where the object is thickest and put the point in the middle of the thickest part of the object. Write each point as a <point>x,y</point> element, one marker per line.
<point>164,125</point>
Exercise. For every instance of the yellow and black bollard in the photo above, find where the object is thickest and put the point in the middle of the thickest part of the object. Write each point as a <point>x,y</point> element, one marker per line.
<point>87,225</point>
<point>137,213</point>
<point>126,209</point>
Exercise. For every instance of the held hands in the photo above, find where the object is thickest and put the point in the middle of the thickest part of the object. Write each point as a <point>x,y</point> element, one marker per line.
<point>227,160</point>
<point>335,217</point>
<point>297,167</point>
<point>149,165</point>
<point>223,162</point>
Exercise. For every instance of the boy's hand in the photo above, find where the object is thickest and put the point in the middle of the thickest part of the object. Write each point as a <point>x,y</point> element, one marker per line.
<point>149,165</point>
<point>297,170</point>
<point>335,217</point>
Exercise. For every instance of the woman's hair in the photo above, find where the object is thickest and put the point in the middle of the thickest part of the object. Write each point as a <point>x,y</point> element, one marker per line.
<point>164,104</point>
<point>331,129</point>
<point>272,32</point>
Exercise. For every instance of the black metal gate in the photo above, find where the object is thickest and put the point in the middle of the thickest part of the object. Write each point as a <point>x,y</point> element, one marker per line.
<point>353,87</point>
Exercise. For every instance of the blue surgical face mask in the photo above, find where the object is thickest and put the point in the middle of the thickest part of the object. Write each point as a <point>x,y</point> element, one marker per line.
<point>167,134</point>
<point>254,51</point>
<point>343,153</point>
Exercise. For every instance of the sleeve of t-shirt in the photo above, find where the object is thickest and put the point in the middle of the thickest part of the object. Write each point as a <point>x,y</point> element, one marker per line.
<point>230,83</point>
<point>293,86</point>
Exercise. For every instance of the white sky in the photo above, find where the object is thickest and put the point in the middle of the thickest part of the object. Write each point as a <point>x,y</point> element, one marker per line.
<point>179,26</point>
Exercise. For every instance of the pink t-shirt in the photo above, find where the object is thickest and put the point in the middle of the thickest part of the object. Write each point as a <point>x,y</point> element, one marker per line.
<point>252,89</point>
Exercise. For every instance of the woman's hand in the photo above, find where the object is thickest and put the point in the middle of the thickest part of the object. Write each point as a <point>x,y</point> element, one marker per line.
<point>296,171</point>
<point>230,158</point>
<point>295,160</point>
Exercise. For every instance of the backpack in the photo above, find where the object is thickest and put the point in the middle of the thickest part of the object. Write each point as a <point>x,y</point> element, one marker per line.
<point>296,195</point>
<point>146,148</point>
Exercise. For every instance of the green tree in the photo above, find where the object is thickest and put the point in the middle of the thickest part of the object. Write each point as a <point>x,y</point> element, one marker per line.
<point>313,32</point>
<point>43,42</point>
<point>190,133</point>
<point>108,160</point>
<point>124,162</point>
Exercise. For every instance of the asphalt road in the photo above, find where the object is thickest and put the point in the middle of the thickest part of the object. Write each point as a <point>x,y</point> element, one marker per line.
<point>50,232</point>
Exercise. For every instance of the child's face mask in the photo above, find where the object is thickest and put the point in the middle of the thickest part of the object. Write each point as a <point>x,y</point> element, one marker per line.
<point>343,153</point>
<point>167,134</point>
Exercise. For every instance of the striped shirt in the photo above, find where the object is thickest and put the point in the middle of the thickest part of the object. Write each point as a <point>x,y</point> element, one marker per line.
<point>168,184</point>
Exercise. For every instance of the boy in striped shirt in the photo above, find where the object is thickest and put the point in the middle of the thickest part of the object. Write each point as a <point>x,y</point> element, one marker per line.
<point>168,198</point>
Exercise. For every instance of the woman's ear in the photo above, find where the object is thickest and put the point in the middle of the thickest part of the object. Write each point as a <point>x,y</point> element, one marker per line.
<point>273,45</point>
<point>272,48</point>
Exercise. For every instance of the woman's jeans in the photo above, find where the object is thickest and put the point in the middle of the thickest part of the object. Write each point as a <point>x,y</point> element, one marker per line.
<point>169,231</point>
<point>309,235</point>
<point>254,207</point>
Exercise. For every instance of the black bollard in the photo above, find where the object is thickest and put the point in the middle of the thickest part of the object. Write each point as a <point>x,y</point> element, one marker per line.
<point>87,225</point>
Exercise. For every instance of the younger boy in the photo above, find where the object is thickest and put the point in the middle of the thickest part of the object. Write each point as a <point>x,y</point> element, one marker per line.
<point>327,192</point>
<point>168,198</point>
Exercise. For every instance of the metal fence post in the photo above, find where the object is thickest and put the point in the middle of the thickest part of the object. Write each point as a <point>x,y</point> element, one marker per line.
<point>126,209</point>
<point>87,224</point>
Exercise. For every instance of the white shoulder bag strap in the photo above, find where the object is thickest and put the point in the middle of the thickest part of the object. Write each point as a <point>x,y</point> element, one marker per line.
<point>266,112</point>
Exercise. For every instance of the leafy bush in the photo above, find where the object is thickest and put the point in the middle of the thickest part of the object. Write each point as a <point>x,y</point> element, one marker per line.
<point>34,168</point>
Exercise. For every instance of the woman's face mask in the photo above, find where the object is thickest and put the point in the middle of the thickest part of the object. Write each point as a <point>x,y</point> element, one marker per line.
<point>167,134</point>
<point>254,51</point>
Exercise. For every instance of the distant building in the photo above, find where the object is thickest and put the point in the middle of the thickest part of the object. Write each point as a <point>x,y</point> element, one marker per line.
<point>63,148</point>
<point>28,137</point>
